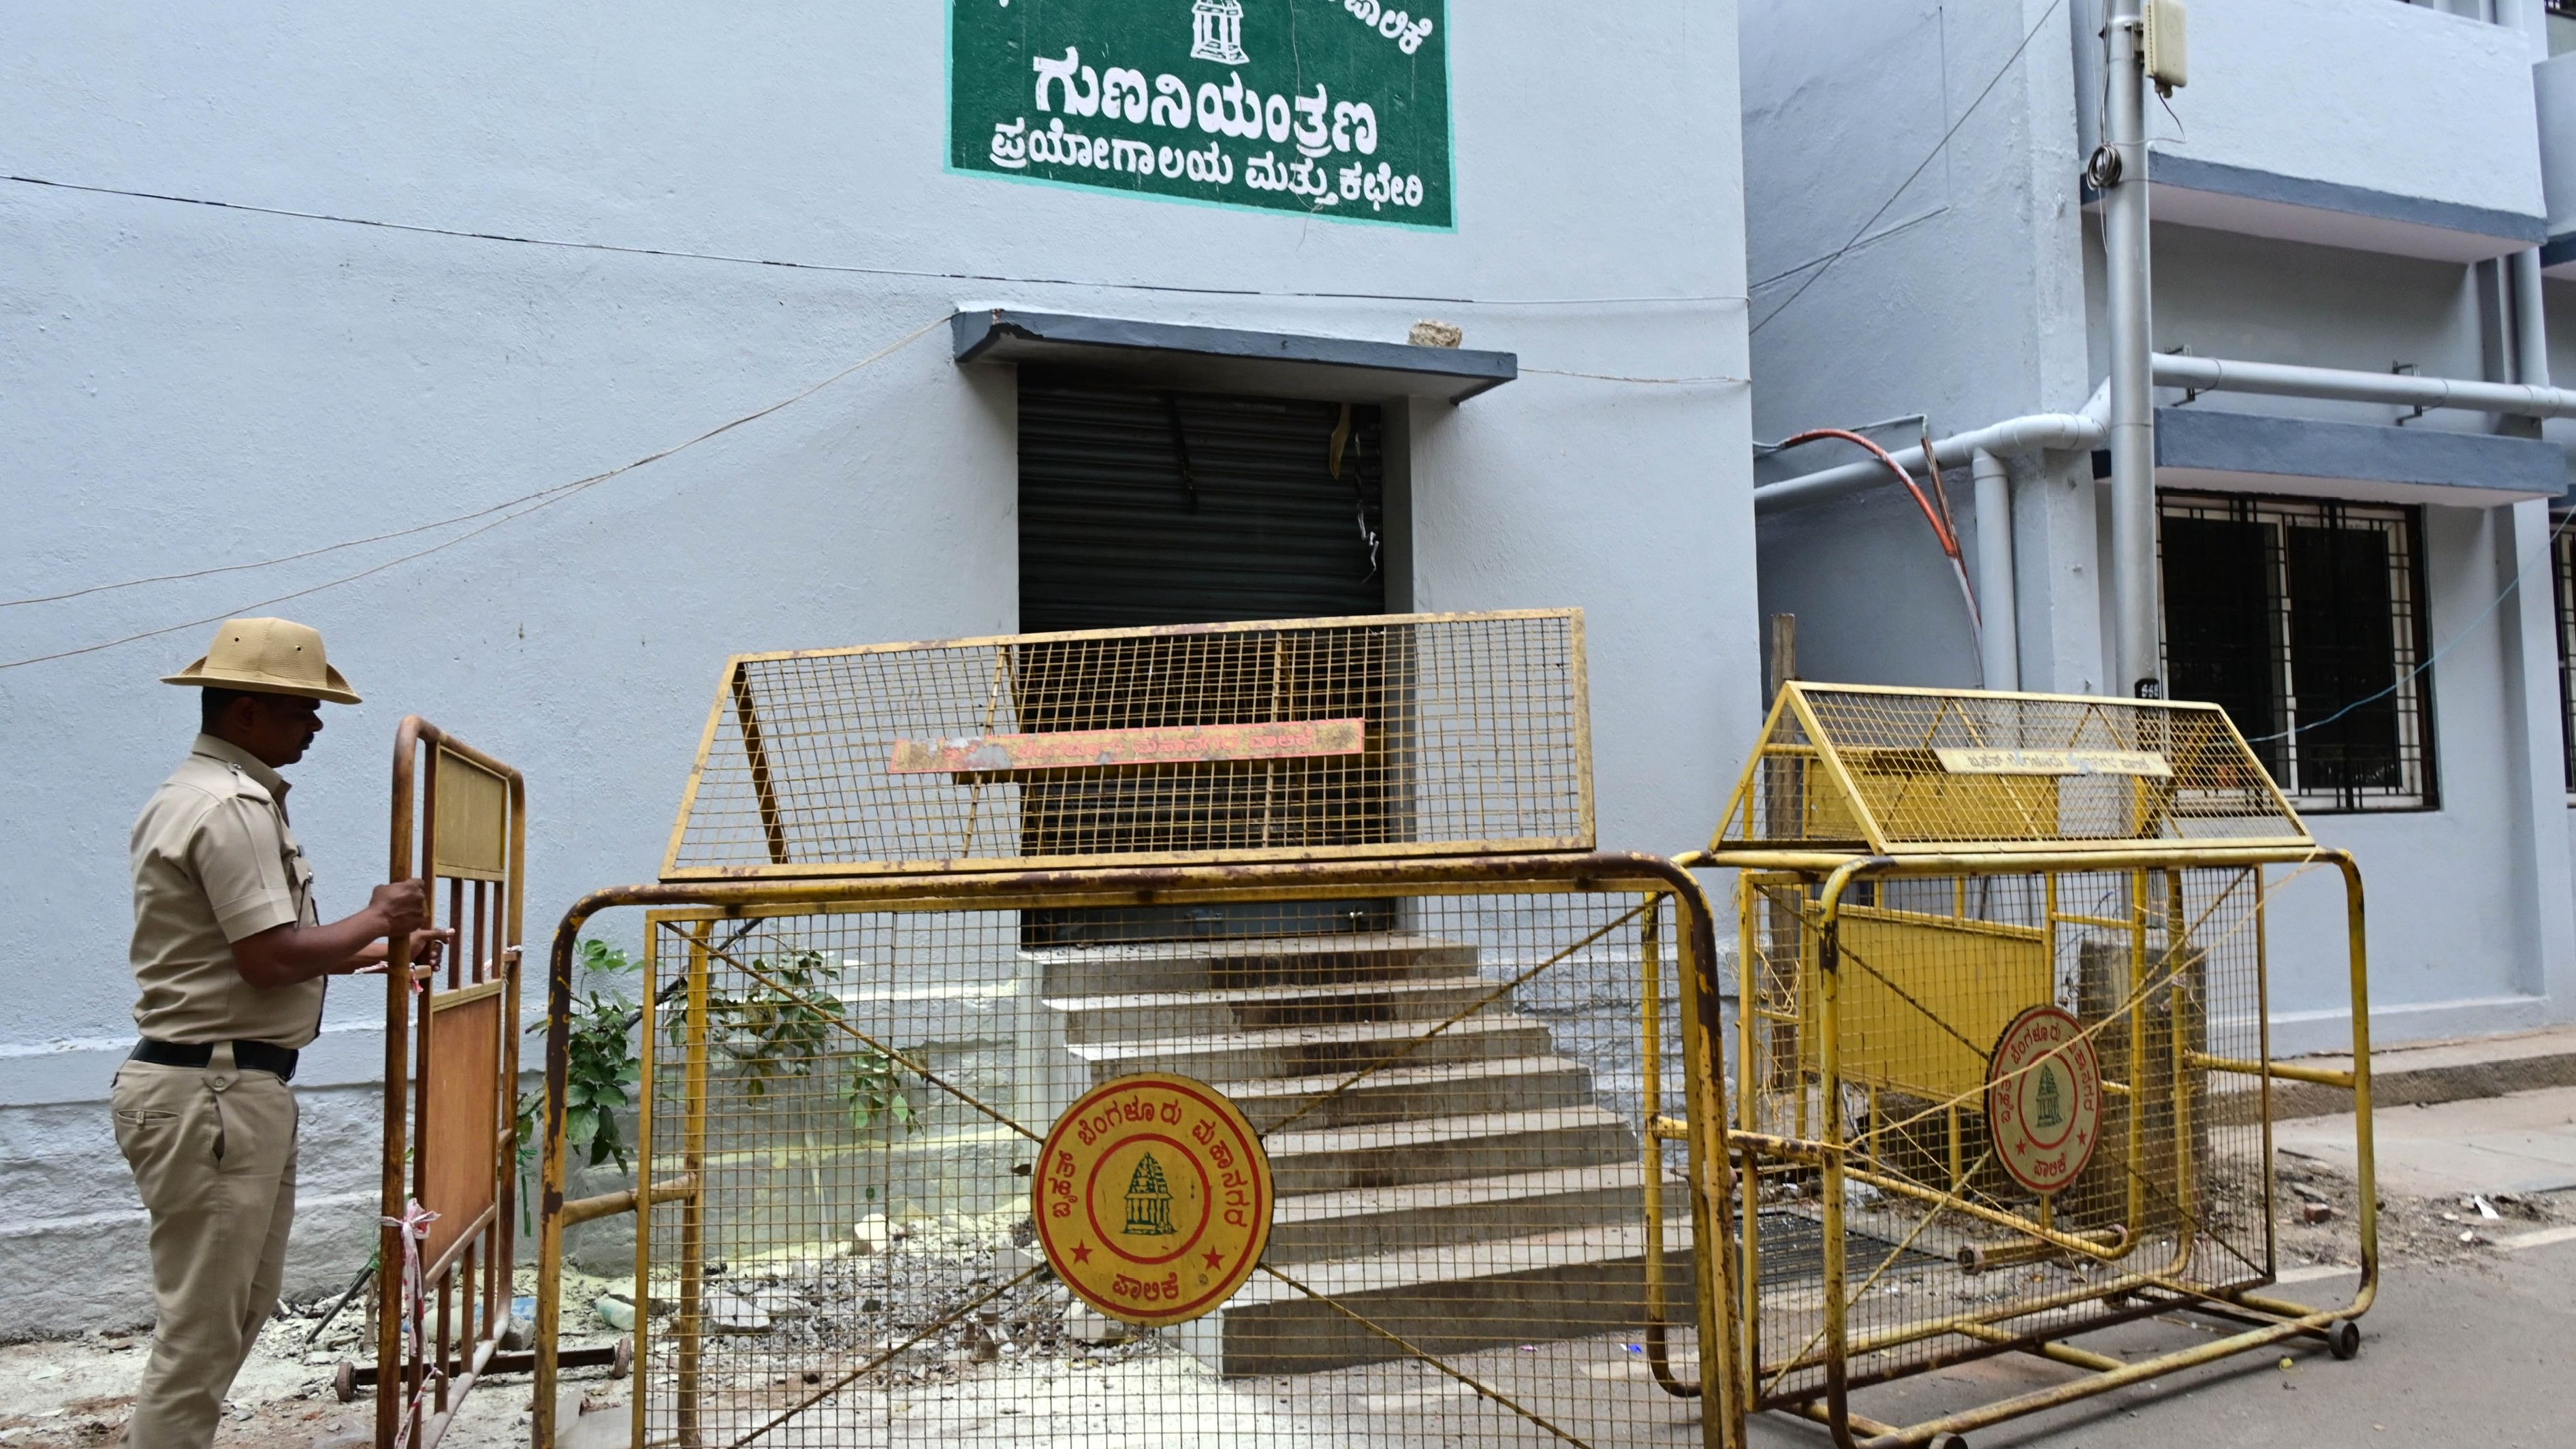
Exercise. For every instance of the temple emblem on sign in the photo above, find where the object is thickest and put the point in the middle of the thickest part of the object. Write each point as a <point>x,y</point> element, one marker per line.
<point>1216,32</point>
<point>1149,1197</point>
<point>2052,1112</point>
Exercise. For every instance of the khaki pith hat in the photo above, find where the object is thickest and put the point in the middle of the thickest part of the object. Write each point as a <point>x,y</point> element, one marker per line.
<point>268,656</point>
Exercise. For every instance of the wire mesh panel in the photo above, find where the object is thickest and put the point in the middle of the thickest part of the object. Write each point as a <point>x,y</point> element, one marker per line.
<point>1907,770</point>
<point>451,1063</point>
<point>2040,1082</point>
<point>1481,1233</point>
<point>2002,1065</point>
<point>1376,737</point>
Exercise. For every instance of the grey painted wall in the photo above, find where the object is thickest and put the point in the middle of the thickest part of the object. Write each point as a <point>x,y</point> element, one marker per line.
<point>1976,312</point>
<point>1962,299</point>
<point>192,387</point>
<point>2365,94</point>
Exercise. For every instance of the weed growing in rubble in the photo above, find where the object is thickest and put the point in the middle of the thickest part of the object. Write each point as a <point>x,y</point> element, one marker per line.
<point>602,1068</point>
<point>787,1021</point>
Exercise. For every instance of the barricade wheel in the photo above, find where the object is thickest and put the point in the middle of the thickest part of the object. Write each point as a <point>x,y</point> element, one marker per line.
<point>1951,1441</point>
<point>2343,1339</point>
<point>344,1382</point>
<point>622,1357</point>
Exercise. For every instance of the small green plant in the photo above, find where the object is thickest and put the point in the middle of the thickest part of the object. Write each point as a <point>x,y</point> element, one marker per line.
<point>875,1091</point>
<point>783,1026</point>
<point>602,1067</point>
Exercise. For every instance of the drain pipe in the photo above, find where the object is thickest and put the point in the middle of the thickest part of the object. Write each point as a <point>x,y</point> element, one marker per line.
<point>2119,170</point>
<point>2010,438</point>
<point>1999,625</point>
<point>2530,323</point>
<point>2526,399</point>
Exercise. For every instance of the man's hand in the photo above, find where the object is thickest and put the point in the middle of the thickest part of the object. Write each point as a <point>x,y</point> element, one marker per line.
<point>402,906</point>
<point>426,946</point>
<point>285,955</point>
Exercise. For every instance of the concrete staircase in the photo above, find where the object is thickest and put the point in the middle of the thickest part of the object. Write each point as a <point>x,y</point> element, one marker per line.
<point>1470,1194</point>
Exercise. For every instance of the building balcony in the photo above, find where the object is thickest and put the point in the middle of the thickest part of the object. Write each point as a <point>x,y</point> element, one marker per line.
<point>2383,127</point>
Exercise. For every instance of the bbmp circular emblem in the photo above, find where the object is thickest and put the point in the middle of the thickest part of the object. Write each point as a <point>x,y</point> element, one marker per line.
<point>2044,1099</point>
<point>1152,1198</point>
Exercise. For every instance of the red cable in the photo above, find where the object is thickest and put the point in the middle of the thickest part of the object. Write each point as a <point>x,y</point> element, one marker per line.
<point>1949,541</point>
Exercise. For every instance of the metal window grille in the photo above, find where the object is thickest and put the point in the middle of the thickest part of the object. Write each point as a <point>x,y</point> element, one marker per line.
<point>2305,620</point>
<point>2562,572</point>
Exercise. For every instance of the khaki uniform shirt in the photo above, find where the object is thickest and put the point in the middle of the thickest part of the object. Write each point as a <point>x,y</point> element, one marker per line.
<point>214,862</point>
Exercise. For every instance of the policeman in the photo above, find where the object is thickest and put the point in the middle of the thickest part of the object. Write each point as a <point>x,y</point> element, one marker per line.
<point>229,957</point>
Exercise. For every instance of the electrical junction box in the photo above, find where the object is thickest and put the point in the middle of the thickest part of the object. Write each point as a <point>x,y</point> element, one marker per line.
<point>2167,46</point>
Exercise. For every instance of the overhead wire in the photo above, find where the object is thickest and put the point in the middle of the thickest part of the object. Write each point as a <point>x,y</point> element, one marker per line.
<point>546,498</point>
<point>287,558</point>
<point>1710,378</point>
<point>1825,263</point>
<point>921,274</point>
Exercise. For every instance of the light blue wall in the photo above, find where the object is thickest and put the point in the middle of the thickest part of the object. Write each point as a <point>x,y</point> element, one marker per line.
<point>1963,299</point>
<point>1984,311</point>
<point>2403,100</point>
<point>190,387</point>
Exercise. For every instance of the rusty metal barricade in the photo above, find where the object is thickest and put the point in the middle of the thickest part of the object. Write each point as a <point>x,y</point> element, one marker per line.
<point>2003,1056</point>
<point>451,1074</point>
<point>1178,1035</point>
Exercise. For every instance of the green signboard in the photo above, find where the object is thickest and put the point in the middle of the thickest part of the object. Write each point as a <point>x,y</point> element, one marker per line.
<point>1332,108</point>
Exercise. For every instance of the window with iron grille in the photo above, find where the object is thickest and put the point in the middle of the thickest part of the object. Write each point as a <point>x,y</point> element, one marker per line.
<point>2562,573</point>
<point>2304,618</point>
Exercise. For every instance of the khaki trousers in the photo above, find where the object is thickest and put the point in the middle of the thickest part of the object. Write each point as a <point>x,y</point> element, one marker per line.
<point>213,1151</point>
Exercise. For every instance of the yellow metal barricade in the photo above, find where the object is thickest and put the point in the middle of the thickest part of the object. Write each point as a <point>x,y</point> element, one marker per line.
<point>2002,1060</point>
<point>1167,1037</point>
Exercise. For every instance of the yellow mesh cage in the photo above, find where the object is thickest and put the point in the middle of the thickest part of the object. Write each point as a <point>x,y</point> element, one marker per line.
<point>1297,740</point>
<point>2001,1051</point>
<point>1924,771</point>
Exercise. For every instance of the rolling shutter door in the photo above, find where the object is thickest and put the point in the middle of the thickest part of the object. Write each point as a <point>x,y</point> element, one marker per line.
<point>1238,516</point>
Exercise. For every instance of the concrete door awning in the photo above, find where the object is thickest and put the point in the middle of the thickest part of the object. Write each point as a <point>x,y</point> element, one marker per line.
<point>2212,450</point>
<point>1226,359</point>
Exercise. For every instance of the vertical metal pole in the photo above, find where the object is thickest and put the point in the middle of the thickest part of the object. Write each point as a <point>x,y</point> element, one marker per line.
<point>647,1081</point>
<point>1752,969</point>
<point>389,1376</point>
<point>689,1325</point>
<point>2263,1084</point>
<point>1722,1385</point>
<point>2136,617</point>
<point>1837,1335</point>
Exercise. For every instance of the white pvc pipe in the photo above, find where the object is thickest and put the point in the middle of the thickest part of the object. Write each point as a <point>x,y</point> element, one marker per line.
<point>2530,322</point>
<point>2010,437</point>
<point>2218,374</point>
<point>1999,635</point>
<point>2211,374</point>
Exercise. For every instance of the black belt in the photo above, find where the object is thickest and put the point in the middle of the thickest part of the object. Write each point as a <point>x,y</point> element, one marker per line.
<point>251,1056</point>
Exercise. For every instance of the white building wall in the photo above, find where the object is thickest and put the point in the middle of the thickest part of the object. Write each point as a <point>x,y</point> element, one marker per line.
<point>1983,312</point>
<point>1961,299</point>
<point>2371,95</point>
<point>192,387</point>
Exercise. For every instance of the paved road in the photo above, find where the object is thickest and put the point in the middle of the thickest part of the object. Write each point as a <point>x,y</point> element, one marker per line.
<point>2450,1357</point>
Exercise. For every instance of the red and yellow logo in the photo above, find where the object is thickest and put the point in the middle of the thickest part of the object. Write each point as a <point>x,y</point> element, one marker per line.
<point>2044,1099</point>
<point>1153,1198</point>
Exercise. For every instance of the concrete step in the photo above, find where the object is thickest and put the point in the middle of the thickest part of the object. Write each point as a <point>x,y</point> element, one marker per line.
<point>1134,1016</point>
<point>1456,1299</point>
<point>1395,1094</point>
<point>1225,963</point>
<point>1239,1056</point>
<point>2422,1074</point>
<point>1443,1149</point>
<point>1366,1222</point>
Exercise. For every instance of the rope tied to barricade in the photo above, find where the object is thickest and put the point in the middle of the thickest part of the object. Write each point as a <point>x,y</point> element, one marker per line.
<point>412,1230</point>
